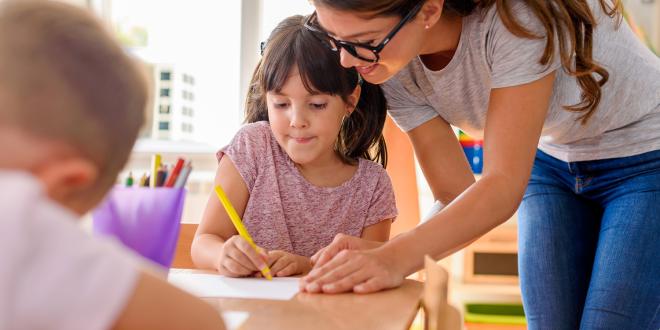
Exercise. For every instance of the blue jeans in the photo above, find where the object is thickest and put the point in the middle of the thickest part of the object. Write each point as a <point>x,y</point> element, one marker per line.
<point>589,243</point>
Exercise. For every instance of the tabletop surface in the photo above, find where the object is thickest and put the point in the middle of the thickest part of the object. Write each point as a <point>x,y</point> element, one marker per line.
<point>390,309</point>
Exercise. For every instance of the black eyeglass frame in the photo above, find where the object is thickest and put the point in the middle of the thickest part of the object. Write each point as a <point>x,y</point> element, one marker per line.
<point>350,47</point>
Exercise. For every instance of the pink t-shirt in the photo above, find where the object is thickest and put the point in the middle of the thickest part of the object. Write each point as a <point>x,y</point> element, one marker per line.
<point>287,212</point>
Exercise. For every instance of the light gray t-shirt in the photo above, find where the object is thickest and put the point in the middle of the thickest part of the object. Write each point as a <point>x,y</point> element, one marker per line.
<point>626,123</point>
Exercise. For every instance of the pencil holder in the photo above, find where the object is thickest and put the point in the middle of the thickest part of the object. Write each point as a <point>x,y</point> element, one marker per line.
<point>146,220</point>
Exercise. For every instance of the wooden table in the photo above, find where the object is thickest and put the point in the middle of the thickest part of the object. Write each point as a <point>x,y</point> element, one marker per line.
<point>392,309</point>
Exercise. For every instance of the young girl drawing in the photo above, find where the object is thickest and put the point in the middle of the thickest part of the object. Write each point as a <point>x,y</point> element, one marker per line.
<point>308,165</point>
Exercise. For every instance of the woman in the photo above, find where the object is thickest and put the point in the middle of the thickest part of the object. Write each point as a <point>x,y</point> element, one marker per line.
<point>568,101</point>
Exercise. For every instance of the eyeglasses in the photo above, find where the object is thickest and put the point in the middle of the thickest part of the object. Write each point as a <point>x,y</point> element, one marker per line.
<point>362,51</point>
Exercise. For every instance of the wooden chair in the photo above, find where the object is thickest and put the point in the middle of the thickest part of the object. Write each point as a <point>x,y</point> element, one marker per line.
<point>438,314</point>
<point>182,258</point>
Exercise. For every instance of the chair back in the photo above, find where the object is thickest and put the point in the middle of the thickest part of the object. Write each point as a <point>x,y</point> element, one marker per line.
<point>182,258</point>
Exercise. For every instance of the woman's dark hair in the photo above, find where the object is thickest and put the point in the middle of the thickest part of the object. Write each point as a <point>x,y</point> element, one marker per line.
<point>572,22</point>
<point>291,44</point>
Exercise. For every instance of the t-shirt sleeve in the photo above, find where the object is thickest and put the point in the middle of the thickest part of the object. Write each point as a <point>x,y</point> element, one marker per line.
<point>383,203</point>
<point>56,276</point>
<point>406,102</point>
<point>246,150</point>
<point>515,60</point>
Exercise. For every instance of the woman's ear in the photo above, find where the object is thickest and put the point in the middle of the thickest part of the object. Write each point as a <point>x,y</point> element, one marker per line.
<point>431,12</point>
<point>353,99</point>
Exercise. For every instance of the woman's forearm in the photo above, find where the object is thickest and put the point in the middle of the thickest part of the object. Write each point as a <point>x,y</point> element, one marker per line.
<point>483,206</point>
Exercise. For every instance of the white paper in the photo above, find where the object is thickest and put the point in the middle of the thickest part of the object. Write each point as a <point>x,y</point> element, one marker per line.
<point>218,286</point>
<point>233,320</point>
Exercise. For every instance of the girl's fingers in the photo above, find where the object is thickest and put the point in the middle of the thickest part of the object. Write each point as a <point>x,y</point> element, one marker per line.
<point>238,256</point>
<point>290,269</point>
<point>234,269</point>
<point>258,260</point>
<point>279,264</point>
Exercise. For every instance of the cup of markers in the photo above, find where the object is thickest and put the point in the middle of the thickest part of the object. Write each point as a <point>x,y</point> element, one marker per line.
<point>145,215</point>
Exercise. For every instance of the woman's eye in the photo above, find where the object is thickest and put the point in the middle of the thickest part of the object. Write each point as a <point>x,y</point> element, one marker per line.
<point>318,106</point>
<point>280,105</point>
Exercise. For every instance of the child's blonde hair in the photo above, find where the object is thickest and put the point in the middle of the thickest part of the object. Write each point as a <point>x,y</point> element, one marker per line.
<point>63,77</point>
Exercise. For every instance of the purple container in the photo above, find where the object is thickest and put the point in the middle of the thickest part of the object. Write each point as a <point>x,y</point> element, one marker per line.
<point>146,220</point>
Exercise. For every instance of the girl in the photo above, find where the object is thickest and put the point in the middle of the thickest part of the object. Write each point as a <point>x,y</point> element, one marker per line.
<point>567,77</point>
<point>308,165</point>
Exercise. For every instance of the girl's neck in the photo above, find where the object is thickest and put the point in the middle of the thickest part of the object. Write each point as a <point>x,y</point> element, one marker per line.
<point>328,172</point>
<point>442,41</point>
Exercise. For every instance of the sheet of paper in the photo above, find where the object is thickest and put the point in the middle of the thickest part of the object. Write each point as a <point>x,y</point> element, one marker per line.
<point>212,286</point>
<point>233,320</point>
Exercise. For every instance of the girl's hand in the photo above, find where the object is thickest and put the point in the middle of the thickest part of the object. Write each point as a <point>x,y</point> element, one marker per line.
<point>238,258</point>
<point>361,271</point>
<point>287,264</point>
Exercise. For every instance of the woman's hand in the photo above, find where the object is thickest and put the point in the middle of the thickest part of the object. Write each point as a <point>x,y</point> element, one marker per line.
<point>339,243</point>
<point>283,263</point>
<point>361,271</point>
<point>238,258</point>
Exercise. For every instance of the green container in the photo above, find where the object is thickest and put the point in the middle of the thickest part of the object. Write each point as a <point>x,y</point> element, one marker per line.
<point>511,314</point>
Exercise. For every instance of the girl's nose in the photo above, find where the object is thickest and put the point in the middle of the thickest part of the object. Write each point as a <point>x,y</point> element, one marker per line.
<point>298,119</point>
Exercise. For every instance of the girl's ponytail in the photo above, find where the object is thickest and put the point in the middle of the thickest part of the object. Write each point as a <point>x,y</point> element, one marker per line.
<point>361,134</point>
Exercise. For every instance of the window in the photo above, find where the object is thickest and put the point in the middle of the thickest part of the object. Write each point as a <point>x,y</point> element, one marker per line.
<point>165,76</point>
<point>164,92</point>
<point>164,108</point>
<point>164,126</point>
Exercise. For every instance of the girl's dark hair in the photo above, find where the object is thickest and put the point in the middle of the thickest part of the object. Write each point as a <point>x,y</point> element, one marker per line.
<point>572,22</point>
<point>290,43</point>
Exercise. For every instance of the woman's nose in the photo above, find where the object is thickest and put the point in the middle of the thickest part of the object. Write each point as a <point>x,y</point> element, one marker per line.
<point>347,60</point>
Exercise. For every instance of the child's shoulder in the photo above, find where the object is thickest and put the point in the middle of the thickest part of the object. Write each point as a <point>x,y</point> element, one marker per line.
<point>253,137</point>
<point>373,171</point>
<point>256,129</point>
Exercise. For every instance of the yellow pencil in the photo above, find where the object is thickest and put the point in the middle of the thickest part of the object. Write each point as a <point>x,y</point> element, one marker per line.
<point>155,166</point>
<point>236,220</point>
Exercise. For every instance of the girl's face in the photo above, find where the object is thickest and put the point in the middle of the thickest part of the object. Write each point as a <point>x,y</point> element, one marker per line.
<point>306,125</point>
<point>348,26</point>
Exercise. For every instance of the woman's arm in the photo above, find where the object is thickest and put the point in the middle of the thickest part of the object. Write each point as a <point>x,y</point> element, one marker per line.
<point>216,228</point>
<point>513,127</point>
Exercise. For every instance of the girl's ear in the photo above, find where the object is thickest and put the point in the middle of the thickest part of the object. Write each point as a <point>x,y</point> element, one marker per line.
<point>353,99</point>
<point>431,12</point>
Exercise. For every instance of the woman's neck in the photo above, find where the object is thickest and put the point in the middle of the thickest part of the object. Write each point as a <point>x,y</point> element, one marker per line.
<point>328,172</point>
<point>441,42</point>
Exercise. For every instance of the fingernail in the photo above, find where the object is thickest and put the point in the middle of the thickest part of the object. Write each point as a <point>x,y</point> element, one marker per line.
<point>328,287</point>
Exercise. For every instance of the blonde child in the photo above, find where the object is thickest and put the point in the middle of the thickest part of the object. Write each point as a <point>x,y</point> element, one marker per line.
<point>304,168</point>
<point>71,104</point>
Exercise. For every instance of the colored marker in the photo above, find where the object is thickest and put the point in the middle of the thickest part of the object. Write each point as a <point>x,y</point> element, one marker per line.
<point>155,166</point>
<point>174,173</point>
<point>129,179</point>
<point>236,220</point>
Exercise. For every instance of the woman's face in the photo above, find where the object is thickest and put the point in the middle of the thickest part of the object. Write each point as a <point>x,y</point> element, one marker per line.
<point>353,27</point>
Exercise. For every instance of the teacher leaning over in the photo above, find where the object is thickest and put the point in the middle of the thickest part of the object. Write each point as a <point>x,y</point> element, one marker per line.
<point>568,102</point>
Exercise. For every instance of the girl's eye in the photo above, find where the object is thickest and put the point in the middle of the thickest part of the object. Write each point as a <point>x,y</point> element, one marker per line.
<point>318,106</point>
<point>280,105</point>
